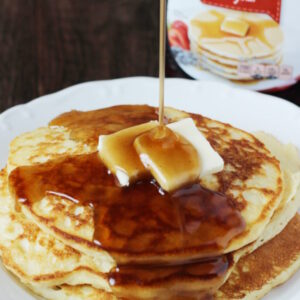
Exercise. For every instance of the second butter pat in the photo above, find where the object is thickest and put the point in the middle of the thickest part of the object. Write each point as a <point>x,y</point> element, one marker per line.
<point>235,26</point>
<point>171,159</point>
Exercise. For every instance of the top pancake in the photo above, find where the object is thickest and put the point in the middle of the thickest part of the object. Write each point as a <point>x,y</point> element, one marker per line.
<point>252,178</point>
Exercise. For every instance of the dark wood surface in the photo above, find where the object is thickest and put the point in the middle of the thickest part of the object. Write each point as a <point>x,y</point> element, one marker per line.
<point>47,45</point>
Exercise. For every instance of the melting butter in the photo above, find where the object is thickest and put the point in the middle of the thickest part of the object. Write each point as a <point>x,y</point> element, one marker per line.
<point>211,161</point>
<point>235,26</point>
<point>171,159</point>
<point>119,156</point>
<point>175,155</point>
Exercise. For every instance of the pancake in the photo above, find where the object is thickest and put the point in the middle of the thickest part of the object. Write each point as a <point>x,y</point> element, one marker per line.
<point>254,276</point>
<point>87,278</point>
<point>269,266</point>
<point>15,257</point>
<point>42,145</point>
<point>252,179</point>
<point>26,251</point>
<point>66,292</point>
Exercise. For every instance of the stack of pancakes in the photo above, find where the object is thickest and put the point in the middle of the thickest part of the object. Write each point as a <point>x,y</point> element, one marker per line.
<point>59,248</point>
<point>221,52</point>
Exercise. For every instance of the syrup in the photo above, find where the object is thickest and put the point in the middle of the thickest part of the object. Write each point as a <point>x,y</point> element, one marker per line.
<point>159,149</point>
<point>147,275</point>
<point>138,219</point>
<point>86,127</point>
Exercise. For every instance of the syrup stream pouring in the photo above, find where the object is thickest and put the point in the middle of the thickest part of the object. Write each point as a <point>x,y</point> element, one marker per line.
<point>162,59</point>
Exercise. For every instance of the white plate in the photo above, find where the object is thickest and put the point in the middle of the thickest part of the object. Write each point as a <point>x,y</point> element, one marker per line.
<point>245,109</point>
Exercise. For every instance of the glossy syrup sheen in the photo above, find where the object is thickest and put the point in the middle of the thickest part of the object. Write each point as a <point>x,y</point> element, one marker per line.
<point>87,126</point>
<point>188,278</point>
<point>172,160</point>
<point>138,219</point>
<point>148,275</point>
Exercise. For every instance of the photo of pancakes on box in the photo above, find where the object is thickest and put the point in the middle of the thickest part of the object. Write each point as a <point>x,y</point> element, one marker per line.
<point>248,48</point>
<point>223,40</point>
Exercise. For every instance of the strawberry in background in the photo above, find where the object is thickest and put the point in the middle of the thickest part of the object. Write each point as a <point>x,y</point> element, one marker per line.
<point>178,35</point>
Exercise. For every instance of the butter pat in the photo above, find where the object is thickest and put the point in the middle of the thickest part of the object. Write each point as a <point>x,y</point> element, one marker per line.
<point>171,159</point>
<point>210,160</point>
<point>119,156</point>
<point>175,155</point>
<point>235,26</point>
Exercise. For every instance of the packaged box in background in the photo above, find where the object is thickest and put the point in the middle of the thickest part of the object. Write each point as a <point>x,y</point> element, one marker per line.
<point>254,44</point>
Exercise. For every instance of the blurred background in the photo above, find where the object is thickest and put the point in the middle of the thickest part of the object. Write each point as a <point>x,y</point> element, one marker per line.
<point>47,45</point>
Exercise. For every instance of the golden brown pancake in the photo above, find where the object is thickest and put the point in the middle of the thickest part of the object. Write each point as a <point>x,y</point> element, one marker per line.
<point>270,265</point>
<point>251,179</point>
<point>43,262</point>
<point>251,172</point>
<point>254,276</point>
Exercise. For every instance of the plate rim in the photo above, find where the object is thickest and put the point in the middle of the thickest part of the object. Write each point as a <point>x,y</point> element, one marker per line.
<point>124,79</point>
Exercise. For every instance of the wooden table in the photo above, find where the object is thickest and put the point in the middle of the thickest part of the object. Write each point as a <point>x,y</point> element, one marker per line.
<point>47,45</point>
